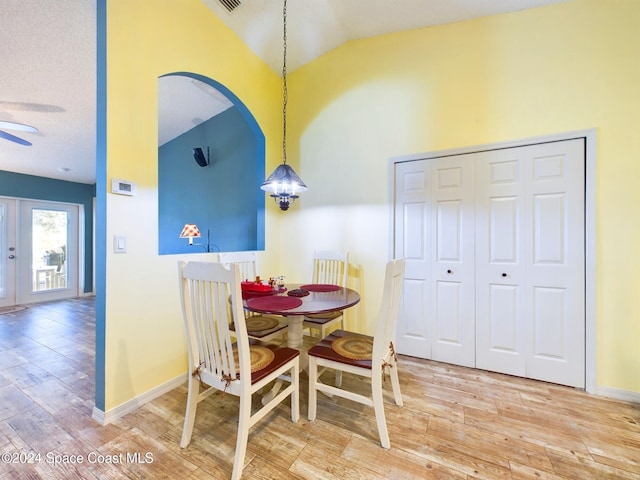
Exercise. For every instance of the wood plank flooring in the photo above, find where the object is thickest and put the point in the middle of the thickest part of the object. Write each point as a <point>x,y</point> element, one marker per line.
<point>456,423</point>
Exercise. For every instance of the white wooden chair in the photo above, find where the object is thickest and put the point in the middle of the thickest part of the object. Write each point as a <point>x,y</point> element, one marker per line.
<point>240,368</point>
<point>260,327</point>
<point>329,267</point>
<point>370,357</point>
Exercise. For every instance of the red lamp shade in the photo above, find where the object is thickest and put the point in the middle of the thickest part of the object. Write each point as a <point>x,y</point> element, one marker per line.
<point>189,231</point>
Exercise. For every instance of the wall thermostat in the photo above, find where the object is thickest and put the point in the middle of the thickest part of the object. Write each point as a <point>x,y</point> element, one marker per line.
<point>123,187</point>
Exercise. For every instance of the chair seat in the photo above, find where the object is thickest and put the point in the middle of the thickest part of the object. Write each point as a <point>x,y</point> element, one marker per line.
<point>322,318</point>
<point>260,326</point>
<point>282,355</point>
<point>324,349</point>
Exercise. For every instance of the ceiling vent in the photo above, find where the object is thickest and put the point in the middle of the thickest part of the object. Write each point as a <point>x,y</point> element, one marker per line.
<point>230,5</point>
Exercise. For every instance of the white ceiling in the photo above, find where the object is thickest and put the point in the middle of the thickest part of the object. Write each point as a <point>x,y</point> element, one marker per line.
<point>48,80</point>
<point>316,26</point>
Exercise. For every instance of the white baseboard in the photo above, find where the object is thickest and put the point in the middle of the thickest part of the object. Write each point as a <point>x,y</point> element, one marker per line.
<point>104,418</point>
<point>618,394</point>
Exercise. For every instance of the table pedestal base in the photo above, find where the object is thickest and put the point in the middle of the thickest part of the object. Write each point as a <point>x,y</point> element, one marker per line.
<point>295,339</point>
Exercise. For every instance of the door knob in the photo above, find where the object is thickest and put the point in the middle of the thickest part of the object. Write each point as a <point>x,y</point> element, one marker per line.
<point>504,274</point>
<point>11,249</point>
<point>12,256</point>
<point>449,271</point>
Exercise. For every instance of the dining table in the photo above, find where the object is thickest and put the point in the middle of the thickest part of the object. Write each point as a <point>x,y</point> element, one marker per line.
<point>294,301</point>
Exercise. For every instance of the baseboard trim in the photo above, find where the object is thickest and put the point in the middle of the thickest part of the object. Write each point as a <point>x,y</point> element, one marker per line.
<point>104,418</point>
<point>618,394</point>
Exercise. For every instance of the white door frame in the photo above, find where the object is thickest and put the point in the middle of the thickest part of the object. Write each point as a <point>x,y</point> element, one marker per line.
<point>8,261</point>
<point>590,136</point>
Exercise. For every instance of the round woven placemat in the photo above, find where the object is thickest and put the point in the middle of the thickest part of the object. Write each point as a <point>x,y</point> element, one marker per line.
<point>355,348</point>
<point>321,287</point>
<point>258,324</point>
<point>273,303</point>
<point>260,357</point>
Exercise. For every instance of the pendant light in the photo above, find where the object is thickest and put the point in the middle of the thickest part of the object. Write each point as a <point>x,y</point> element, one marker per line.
<point>284,184</point>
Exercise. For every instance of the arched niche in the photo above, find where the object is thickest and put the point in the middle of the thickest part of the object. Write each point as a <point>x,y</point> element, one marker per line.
<point>223,197</point>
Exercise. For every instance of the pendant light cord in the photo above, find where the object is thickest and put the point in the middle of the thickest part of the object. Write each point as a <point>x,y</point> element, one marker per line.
<point>285,96</point>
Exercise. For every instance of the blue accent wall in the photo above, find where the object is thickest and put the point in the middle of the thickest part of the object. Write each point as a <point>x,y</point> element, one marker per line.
<point>101,201</point>
<point>223,197</point>
<point>48,189</point>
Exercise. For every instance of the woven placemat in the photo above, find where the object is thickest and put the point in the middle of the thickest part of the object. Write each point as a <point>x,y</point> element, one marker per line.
<point>321,287</point>
<point>258,324</point>
<point>354,348</point>
<point>260,357</point>
<point>274,303</point>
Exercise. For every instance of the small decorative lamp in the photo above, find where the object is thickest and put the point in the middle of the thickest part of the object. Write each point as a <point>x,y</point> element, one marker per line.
<point>284,184</point>
<point>189,231</point>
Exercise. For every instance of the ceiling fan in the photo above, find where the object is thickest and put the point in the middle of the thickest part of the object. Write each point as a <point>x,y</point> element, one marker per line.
<point>16,126</point>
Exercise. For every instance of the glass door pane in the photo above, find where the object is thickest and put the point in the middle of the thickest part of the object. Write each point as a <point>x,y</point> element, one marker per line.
<point>49,233</point>
<point>49,246</point>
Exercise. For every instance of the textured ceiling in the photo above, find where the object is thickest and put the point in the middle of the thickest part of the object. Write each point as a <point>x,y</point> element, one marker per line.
<point>48,80</point>
<point>47,53</point>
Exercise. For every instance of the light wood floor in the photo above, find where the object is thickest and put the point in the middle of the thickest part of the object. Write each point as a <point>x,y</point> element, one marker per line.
<point>456,423</point>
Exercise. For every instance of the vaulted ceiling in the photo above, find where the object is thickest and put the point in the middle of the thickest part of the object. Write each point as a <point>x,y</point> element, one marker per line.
<point>47,52</point>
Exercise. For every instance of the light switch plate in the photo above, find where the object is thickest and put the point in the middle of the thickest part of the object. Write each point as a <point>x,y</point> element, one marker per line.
<point>119,244</point>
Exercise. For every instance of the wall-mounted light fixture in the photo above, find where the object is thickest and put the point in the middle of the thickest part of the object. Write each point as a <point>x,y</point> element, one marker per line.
<point>284,184</point>
<point>199,157</point>
<point>191,231</point>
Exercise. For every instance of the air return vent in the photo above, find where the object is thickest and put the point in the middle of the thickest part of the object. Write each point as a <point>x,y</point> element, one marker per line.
<point>230,5</point>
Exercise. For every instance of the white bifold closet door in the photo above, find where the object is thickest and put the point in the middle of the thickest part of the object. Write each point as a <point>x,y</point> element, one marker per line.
<point>494,243</point>
<point>451,263</point>
<point>530,279</point>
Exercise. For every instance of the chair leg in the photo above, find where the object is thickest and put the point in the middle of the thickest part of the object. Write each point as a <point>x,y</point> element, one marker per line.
<point>243,435</point>
<point>313,393</point>
<point>395,383</point>
<point>339,372</point>
<point>190,413</point>
<point>295,395</point>
<point>378,406</point>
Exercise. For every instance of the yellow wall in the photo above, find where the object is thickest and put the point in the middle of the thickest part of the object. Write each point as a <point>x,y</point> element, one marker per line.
<point>555,69</point>
<point>147,38</point>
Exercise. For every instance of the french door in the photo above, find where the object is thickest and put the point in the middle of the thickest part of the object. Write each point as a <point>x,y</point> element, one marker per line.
<point>39,242</point>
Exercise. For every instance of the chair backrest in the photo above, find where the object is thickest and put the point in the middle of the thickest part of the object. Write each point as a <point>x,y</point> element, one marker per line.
<point>389,308</point>
<point>246,261</point>
<point>211,300</point>
<point>330,267</point>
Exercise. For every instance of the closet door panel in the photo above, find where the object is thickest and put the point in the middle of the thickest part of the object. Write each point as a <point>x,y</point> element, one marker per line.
<point>500,270</point>
<point>451,314</point>
<point>555,275</point>
<point>412,241</point>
